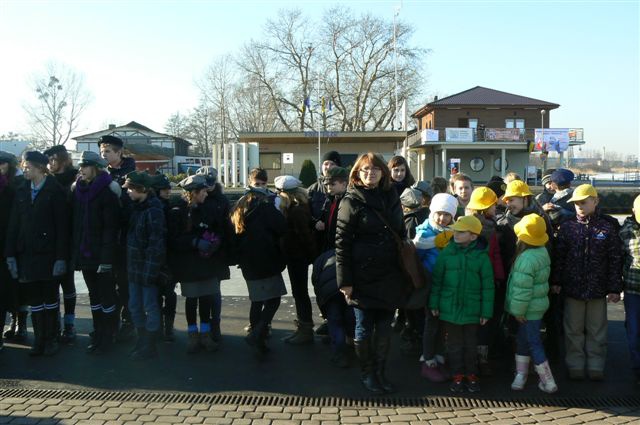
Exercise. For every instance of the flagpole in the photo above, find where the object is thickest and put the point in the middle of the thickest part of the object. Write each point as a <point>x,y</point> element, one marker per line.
<point>319,153</point>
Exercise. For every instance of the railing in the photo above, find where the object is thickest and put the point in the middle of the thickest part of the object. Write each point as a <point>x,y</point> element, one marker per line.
<point>485,135</point>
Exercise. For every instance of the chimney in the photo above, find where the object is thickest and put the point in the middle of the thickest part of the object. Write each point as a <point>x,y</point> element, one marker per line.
<point>435,98</point>
<point>112,126</point>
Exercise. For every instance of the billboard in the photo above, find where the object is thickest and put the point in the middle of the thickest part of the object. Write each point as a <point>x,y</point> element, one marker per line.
<point>507,134</point>
<point>551,139</point>
<point>459,134</point>
<point>429,135</point>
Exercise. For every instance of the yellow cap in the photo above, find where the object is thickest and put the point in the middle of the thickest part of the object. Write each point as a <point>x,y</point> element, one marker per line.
<point>582,192</point>
<point>636,208</point>
<point>482,198</point>
<point>532,230</point>
<point>517,188</point>
<point>467,223</point>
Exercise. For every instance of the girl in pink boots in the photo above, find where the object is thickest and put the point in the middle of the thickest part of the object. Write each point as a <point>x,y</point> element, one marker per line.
<point>527,300</point>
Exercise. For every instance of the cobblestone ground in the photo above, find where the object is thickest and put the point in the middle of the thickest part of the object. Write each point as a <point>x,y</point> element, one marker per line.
<point>55,411</point>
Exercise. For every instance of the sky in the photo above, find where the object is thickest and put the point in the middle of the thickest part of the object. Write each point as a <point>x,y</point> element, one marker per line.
<point>141,59</point>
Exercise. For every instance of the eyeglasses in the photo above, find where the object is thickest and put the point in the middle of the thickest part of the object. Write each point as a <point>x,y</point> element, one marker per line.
<point>369,170</point>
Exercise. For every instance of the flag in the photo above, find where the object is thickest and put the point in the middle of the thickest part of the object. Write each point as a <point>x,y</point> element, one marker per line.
<point>323,106</point>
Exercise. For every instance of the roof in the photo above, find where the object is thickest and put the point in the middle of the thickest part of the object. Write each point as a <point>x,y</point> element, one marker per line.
<point>130,125</point>
<point>310,137</point>
<point>481,96</point>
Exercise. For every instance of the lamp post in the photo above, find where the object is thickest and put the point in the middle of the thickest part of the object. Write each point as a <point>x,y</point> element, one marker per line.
<point>544,152</point>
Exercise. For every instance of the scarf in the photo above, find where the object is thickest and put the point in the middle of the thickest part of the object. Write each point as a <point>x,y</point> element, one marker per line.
<point>85,193</point>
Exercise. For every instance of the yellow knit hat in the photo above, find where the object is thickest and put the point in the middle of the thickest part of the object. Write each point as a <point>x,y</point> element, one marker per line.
<point>467,223</point>
<point>532,229</point>
<point>517,188</point>
<point>482,198</point>
<point>583,192</point>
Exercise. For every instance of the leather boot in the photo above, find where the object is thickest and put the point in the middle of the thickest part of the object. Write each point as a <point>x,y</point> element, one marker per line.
<point>381,354</point>
<point>364,351</point>
<point>522,371</point>
<point>98,330</point>
<point>303,334</point>
<point>37,321</point>
<point>148,350</point>
<point>167,327</point>
<point>109,323</point>
<point>51,334</point>
<point>21,331</point>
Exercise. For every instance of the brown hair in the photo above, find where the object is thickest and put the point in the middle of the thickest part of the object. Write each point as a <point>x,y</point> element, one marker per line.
<point>64,159</point>
<point>397,161</point>
<point>38,166</point>
<point>520,248</point>
<point>459,177</point>
<point>258,174</point>
<point>139,188</point>
<point>374,160</point>
<point>240,210</point>
<point>299,196</point>
<point>188,195</point>
<point>439,185</point>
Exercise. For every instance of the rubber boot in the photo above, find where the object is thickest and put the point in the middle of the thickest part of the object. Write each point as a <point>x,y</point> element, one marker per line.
<point>167,327</point>
<point>139,341</point>
<point>522,372</point>
<point>483,361</point>
<point>303,335</point>
<point>193,343</point>
<point>21,331</point>
<point>37,321</point>
<point>368,378</point>
<point>381,354</point>
<point>11,332</point>
<point>51,334</point>
<point>547,383</point>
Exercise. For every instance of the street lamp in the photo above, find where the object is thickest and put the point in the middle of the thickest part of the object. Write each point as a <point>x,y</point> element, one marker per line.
<point>544,152</point>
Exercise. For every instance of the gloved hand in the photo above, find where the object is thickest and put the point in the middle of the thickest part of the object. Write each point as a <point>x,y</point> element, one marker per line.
<point>202,245</point>
<point>59,267</point>
<point>104,268</point>
<point>12,265</point>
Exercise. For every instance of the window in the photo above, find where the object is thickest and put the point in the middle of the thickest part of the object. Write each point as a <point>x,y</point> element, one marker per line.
<point>473,123</point>
<point>515,123</point>
<point>271,161</point>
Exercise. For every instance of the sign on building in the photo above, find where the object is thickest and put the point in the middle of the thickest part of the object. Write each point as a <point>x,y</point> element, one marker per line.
<point>287,158</point>
<point>506,134</point>
<point>551,139</point>
<point>454,166</point>
<point>429,135</point>
<point>459,134</point>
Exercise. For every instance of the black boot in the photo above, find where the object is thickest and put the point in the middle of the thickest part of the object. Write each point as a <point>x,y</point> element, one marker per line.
<point>381,354</point>
<point>140,341</point>
<point>167,327</point>
<point>21,331</point>
<point>109,322</point>
<point>51,326</point>
<point>37,321</point>
<point>148,349</point>
<point>96,335</point>
<point>364,351</point>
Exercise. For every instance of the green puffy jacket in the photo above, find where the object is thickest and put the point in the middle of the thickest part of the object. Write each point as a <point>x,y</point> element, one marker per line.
<point>528,285</point>
<point>463,288</point>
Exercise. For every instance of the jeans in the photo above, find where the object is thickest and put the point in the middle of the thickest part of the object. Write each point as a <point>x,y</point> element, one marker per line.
<point>632,326</point>
<point>462,341</point>
<point>529,343</point>
<point>340,320</point>
<point>299,277</point>
<point>372,320</point>
<point>143,305</point>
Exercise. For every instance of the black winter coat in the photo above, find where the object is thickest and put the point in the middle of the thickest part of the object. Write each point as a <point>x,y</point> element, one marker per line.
<point>7,196</point>
<point>218,207</point>
<point>323,277</point>
<point>119,175</point>
<point>67,178</point>
<point>317,196</point>
<point>413,219</point>
<point>258,247</point>
<point>104,228</point>
<point>331,223</point>
<point>185,225</point>
<point>366,251</point>
<point>298,243</point>
<point>146,242</point>
<point>39,230</point>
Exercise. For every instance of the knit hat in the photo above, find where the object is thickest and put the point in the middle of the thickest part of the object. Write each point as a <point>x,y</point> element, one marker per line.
<point>532,230</point>
<point>138,178</point>
<point>482,198</point>
<point>582,192</point>
<point>159,182</point>
<point>91,158</point>
<point>636,208</point>
<point>332,156</point>
<point>36,157</point>
<point>444,202</point>
<point>411,198</point>
<point>424,188</point>
<point>497,184</point>
<point>285,183</point>
<point>467,223</point>
<point>336,173</point>
<point>562,176</point>
<point>110,140</point>
<point>7,157</point>
<point>54,150</point>
<point>195,182</point>
<point>517,188</point>
<point>546,178</point>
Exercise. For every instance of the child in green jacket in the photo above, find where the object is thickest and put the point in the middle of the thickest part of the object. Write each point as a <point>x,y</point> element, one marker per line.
<point>462,296</point>
<point>527,300</point>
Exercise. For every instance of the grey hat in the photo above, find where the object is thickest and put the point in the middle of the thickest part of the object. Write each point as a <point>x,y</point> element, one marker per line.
<point>88,158</point>
<point>424,188</point>
<point>195,182</point>
<point>411,198</point>
<point>209,172</point>
<point>286,182</point>
<point>8,157</point>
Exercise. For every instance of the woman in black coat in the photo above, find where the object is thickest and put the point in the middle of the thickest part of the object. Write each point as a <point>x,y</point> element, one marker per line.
<point>367,263</point>
<point>7,194</point>
<point>96,210</point>
<point>259,226</point>
<point>37,247</point>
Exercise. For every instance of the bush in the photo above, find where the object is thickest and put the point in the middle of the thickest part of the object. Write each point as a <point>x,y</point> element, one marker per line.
<point>177,178</point>
<point>308,174</point>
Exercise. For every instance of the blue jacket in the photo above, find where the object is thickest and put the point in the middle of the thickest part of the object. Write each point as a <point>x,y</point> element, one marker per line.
<point>425,242</point>
<point>146,241</point>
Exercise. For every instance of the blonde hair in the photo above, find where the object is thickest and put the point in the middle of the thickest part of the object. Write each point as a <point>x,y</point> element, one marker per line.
<point>189,195</point>
<point>511,176</point>
<point>298,196</point>
<point>240,210</point>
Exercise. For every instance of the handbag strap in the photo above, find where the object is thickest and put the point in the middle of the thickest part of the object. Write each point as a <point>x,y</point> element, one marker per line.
<point>386,223</point>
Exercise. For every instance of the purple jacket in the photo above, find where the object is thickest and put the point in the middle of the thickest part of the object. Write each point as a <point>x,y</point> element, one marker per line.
<point>588,257</point>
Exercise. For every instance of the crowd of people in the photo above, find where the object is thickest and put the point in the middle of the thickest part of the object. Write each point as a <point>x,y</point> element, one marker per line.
<point>507,273</point>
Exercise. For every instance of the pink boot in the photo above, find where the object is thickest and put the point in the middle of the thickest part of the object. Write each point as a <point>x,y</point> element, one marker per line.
<point>547,383</point>
<point>431,371</point>
<point>522,371</point>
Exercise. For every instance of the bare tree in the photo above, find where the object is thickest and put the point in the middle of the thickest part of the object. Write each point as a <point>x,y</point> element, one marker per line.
<point>61,100</point>
<point>203,129</point>
<point>217,89</point>
<point>177,125</point>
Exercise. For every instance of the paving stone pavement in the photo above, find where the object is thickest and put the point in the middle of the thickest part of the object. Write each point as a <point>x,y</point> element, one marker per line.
<point>94,412</point>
